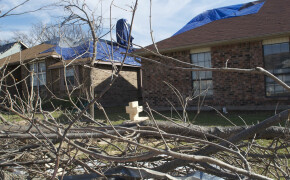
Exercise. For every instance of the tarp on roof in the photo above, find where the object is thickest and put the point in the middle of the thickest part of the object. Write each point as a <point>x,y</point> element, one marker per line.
<point>123,32</point>
<point>222,13</point>
<point>106,51</point>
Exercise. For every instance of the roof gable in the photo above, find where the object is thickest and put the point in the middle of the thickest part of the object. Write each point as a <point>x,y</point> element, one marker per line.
<point>27,54</point>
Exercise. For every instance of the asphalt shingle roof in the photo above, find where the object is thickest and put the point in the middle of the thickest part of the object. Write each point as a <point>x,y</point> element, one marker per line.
<point>272,19</point>
<point>28,54</point>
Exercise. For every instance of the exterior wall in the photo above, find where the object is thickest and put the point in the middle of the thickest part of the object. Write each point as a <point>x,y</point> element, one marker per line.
<point>238,89</point>
<point>54,81</point>
<point>155,91</point>
<point>232,90</point>
<point>49,79</point>
<point>124,90</point>
<point>8,84</point>
<point>24,75</point>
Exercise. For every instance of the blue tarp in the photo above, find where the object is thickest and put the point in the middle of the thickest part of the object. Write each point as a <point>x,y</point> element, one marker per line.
<point>105,52</point>
<point>222,13</point>
<point>123,32</point>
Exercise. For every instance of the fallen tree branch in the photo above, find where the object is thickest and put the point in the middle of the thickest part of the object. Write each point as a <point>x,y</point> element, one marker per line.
<point>221,132</point>
<point>168,127</point>
<point>245,134</point>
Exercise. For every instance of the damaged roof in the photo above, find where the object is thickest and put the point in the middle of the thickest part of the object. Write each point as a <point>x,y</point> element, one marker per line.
<point>272,19</point>
<point>75,55</point>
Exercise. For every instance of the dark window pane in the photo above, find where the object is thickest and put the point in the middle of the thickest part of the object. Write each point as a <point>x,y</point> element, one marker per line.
<point>284,47</point>
<point>203,85</point>
<point>278,88</point>
<point>270,90</point>
<point>208,75</point>
<point>200,57</point>
<point>70,80</point>
<point>194,58</point>
<point>269,80</point>
<point>194,76</point>
<point>276,48</point>
<point>207,64</point>
<point>70,73</point>
<point>196,85</point>
<point>42,79</point>
<point>287,79</point>
<point>209,84</point>
<point>41,67</point>
<point>286,63</point>
<point>202,74</point>
<point>267,50</point>
<point>207,57</point>
<point>210,92</point>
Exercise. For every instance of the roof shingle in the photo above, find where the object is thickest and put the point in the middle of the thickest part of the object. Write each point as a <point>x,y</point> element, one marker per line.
<point>28,54</point>
<point>272,19</point>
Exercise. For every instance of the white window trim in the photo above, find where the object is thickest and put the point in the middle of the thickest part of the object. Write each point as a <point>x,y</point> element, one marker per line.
<point>200,50</point>
<point>275,41</point>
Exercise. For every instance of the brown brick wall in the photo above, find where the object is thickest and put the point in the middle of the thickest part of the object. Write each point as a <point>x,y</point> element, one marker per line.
<point>230,89</point>
<point>155,91</point>
<point>124,90</point>
<point>13,76</point>
<point>238,88</point>
<point>24,75</point>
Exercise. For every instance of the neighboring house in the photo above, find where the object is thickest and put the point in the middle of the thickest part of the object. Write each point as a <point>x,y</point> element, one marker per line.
<point>242,36</point>
<point>11,48</point>
<point>47,62</point>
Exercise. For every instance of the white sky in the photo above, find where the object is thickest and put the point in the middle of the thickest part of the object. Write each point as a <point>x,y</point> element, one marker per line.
<point>168,16</point>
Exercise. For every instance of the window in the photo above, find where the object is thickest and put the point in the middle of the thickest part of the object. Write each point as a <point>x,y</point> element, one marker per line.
<point>277,61</point>
<point>70,76</point>
<point>39,74</point>
<point>202,80</point>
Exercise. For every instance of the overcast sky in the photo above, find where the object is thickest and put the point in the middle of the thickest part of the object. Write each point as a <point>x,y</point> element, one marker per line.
<point>168,16</point>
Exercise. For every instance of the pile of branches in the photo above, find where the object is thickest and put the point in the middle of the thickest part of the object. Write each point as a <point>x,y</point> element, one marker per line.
<point>146,149</point>
<point>45,148</point>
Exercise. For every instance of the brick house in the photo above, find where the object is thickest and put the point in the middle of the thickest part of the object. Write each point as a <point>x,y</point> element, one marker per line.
<point>259,39</point>
<point>47,66</point>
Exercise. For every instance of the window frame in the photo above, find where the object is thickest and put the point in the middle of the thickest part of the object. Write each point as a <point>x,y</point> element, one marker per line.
<point>63,76</point>
<point>275,72</point>
<point>38,74</point>
<point>68,76</point>
<point>207,74</point>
